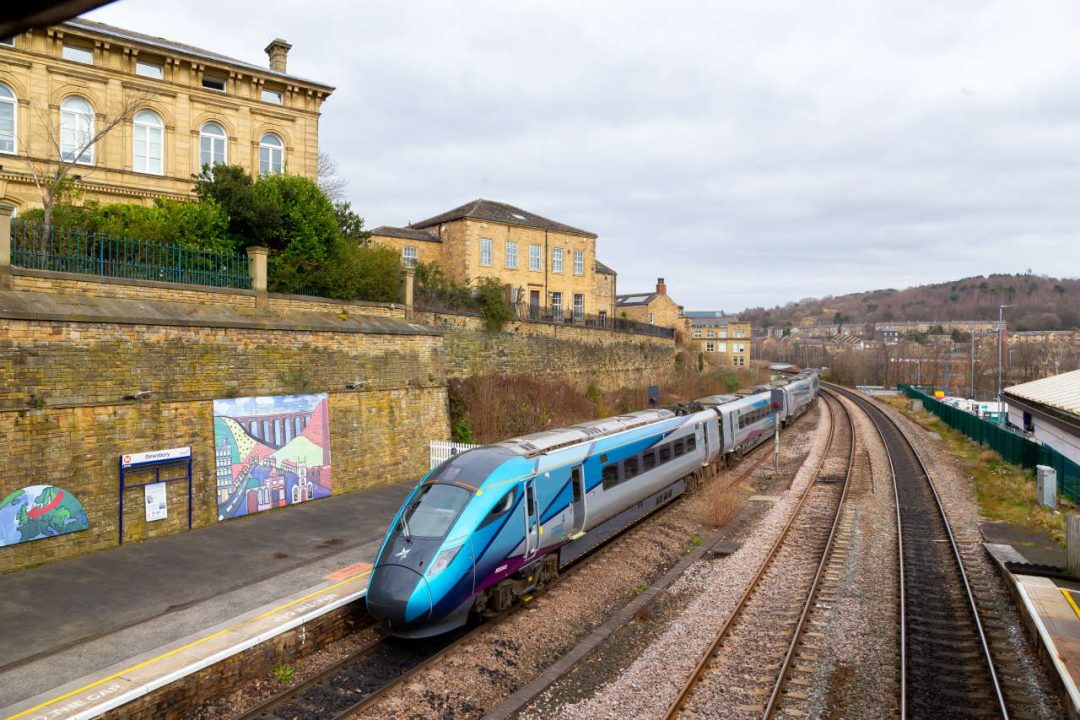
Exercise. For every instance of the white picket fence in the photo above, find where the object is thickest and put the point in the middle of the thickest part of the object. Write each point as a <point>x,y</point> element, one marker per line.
<point>442,450</point>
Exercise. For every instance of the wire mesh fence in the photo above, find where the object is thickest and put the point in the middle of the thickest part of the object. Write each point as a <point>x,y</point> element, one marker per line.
<point>37,247</point>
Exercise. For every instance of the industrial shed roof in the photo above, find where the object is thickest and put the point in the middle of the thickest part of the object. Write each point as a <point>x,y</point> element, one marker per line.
<point>1061,392</point>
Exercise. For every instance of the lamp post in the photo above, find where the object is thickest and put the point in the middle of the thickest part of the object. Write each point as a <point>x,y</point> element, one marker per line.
<point>1001,329</point>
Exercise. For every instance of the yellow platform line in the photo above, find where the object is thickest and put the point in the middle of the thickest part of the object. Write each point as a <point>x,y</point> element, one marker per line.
<point>174,651</point>
<point>1069,597</point>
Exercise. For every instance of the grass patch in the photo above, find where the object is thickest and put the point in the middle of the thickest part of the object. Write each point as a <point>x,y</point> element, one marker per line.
<point>1004,491</point>
<point>696,540</point>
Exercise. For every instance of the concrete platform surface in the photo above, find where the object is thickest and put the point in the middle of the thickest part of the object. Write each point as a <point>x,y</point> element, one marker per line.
<point>103,610</point>
<point>1052,604</point>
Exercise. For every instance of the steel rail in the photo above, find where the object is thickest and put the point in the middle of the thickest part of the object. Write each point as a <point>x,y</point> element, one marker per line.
<point>875,413</point>
<point>785,666</point>
<point>703,663</point>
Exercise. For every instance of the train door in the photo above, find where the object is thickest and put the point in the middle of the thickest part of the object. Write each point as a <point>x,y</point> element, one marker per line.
<point>702,438</point>
<point>532,520</point>
<point>577,488</point>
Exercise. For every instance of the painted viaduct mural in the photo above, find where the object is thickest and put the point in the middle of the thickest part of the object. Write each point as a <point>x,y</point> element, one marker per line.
<point>271,452</point>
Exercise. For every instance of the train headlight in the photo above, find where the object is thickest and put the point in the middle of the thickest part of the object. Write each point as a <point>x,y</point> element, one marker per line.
<point>442,560</point>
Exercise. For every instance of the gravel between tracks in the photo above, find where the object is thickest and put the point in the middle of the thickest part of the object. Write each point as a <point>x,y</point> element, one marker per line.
<point>854,675</point>
<point>650,683</point>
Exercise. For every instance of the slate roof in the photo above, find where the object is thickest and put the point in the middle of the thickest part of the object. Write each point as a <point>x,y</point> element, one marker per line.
<point>406,233</point>
<point>170,46</point>
<point>604,269</point>
<point>1061,392</point>
<point>635,299</point>
<point>500,213</point>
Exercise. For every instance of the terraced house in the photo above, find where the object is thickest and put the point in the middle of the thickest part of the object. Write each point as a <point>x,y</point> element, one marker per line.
<point>157,111</point>
<point>549,268</point>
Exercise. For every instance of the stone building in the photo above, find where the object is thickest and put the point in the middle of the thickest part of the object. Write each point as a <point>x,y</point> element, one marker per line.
<point>549,268</point>
<point>726,340</point>
<point>176,108</point>
<point>654,308</point>
<point>604,288</point>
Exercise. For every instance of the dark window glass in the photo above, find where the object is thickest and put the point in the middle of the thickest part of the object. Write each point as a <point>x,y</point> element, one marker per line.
<point>501,508</point>
<point>630,468</point>
<point>680,448</point>
<point>648,460</point>
<point>603,458</point>
<point>575,483</point>
<point>530,497</point>
<point>691,443</point>
<point>665,453</point>
<point>611,476</point>
<point>435,509</point>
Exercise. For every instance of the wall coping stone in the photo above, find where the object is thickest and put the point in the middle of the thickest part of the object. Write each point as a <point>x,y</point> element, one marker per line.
<point>24,305</point>
<point>186,287</point>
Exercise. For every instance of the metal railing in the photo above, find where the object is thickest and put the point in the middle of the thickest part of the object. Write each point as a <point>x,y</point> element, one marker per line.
<point>460,303</point>
<point>36,247</point>
<point>1010,443</point>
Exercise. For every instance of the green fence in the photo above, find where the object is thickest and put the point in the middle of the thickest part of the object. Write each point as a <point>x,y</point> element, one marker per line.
<point>1008,443</point>
<point>78,251</point>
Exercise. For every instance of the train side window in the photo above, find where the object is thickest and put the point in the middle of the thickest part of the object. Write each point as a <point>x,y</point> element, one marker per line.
<point>630,467</point>
<point>691,443</point>
<point>665,453</point>
<point>530,501</point>
<point>610,476</point>
<point>500,509</point>
<point>680,448</point>
<point>648,460</point>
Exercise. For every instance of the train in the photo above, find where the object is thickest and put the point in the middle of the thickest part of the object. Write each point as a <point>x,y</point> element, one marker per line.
<point>493,525</point>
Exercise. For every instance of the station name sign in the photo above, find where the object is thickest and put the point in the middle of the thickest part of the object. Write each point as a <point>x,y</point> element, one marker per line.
<point>154,456</point>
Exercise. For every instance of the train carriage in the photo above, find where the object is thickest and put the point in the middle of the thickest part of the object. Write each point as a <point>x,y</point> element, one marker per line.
<point>493,524</point>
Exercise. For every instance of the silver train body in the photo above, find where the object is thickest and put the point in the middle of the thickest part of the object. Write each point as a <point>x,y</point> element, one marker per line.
<point>491,525</point>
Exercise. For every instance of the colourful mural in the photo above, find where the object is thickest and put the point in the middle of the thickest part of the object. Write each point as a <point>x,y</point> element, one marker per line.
<point>271,452</point>
<point>39,511</point>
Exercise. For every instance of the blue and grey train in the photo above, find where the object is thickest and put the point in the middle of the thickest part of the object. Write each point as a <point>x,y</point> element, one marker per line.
<point>494,524</point>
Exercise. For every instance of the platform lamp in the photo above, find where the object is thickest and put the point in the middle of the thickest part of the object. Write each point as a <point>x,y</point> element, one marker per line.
<point>1001,329</point>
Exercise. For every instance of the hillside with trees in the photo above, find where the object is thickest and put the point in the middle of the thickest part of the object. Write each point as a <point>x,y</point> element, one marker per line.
<point>1040,303</point>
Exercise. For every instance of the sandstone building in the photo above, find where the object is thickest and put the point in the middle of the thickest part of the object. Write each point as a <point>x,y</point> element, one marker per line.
<point>179,108</point>
<point>724,339</point>
<point>549,268</point>
<point>654,308</point>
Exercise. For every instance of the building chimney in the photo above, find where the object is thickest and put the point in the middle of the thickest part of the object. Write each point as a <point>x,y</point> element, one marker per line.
<point>661,288</point>
<point>278,51</point>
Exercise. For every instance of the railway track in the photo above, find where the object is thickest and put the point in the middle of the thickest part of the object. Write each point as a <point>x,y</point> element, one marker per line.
<point>946,664</point>
<point>745,668</point>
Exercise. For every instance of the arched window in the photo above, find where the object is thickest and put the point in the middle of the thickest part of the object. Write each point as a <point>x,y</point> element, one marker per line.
<point>213,145</point>
<point>76,131</point>
<point>148,139</point>
<point>271,154</point>
<point>8,105</point>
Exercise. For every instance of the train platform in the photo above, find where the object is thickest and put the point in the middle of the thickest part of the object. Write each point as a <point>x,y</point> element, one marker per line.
<point>92,633</point>
<point>1049,602</point>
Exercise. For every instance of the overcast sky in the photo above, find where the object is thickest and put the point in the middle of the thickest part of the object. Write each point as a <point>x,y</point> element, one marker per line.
<point>752,153</point>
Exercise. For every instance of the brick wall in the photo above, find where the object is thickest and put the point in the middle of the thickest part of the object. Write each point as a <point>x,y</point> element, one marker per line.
<point>582,356</point>
<point>63,419</point>
<point>90,286</point>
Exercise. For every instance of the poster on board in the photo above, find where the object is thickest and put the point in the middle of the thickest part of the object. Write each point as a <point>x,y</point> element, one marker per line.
<point>271,452</point>
<point>157,502</point>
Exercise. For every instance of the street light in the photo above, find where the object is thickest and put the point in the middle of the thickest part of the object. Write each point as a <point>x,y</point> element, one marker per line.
<point>1001,328</point>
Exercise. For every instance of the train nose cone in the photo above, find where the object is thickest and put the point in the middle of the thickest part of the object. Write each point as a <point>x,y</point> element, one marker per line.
<point>397,596</point>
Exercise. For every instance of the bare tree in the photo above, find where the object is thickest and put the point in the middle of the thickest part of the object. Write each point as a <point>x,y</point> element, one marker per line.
<point>330,181</point>
<point>51,173</point>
